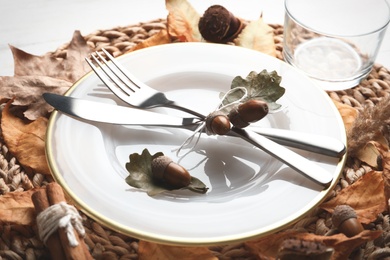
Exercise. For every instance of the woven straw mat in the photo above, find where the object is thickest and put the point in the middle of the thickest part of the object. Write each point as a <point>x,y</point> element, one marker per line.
<point>22,242</point>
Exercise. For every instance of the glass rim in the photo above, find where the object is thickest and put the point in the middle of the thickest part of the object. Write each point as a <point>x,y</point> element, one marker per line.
<point>297,21</point>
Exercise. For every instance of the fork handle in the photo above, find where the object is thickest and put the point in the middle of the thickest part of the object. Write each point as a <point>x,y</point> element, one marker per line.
<point>287,156</point>
<point>177,106</point>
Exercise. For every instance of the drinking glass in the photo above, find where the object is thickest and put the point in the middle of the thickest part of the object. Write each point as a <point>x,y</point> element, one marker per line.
<point>335,42</point>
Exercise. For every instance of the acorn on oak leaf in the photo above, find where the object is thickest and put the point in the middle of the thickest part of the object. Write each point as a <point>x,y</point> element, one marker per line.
<point>248,112</point>
<point>172,174</point>
<point>167,175</point>
<point>219,25</point>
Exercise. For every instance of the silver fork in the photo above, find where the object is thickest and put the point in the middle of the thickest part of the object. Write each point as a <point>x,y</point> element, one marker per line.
<point>134,92</point>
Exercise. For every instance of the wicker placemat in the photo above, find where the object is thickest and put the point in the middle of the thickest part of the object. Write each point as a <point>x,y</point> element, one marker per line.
<point>22,242</point>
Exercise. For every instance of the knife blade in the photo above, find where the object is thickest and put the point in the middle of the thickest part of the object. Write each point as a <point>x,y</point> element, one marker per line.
<point>113,114</point>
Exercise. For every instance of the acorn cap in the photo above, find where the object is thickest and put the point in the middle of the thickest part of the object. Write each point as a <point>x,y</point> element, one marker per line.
<point>159,164</point>
<point>342,213</point>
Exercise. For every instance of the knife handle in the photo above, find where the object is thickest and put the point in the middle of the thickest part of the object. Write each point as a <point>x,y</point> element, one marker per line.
<point>310,142</point>
<point>289,157</point>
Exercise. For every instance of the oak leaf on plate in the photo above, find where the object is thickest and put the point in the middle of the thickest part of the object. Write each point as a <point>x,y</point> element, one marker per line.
<point>25,140</point>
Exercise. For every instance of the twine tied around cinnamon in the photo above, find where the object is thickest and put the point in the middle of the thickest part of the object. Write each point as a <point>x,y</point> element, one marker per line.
<point>60,215</point>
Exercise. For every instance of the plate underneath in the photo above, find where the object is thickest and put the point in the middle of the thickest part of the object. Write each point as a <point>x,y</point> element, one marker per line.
<point>250,193</point>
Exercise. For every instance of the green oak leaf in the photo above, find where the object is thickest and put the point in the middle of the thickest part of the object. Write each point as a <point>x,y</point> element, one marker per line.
<point>264,85</point>
<point>141,176</point>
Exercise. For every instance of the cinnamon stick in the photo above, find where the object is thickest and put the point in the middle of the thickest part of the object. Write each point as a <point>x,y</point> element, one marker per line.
<point>41,202</point>
<point>80,252</point>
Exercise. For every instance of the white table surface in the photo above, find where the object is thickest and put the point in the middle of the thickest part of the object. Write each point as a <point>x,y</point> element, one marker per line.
<point>40,26</point>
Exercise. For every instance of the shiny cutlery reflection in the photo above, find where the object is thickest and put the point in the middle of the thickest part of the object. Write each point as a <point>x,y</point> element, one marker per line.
<point>94,111</point>
<point>113,114</point>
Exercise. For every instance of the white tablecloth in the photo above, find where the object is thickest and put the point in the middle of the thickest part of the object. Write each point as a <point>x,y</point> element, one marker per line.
<point>40,26</point>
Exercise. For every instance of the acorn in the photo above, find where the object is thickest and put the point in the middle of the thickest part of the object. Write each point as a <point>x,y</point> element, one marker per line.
<point>170,173</point>
<point>344,218</point>
<point>248,112</point>
<point>219,25</point>
<point>217,123</point>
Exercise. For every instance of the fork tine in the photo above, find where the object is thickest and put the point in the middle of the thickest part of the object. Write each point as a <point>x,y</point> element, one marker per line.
<point>124,71</point>
<point>104,78</point>
<point>113,74</point>
<point>117,76</point>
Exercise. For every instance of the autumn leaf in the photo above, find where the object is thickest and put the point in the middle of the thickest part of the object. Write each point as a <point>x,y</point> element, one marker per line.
<point>17,208</point>
<point>348,114</point>
<point>182,21</point>
<point>369,153</point>
<point>149,250</point>
<point>141,175</point>
<point>35,75</point>
<point>70,69</point>
<point>268,246</point>
<point>262,86</point>
<point>162,37</point>
<point>365,196</point>
<point>385,154</point>
<point>257,35</point>
<point>26,141</point>
<point>27,91</point>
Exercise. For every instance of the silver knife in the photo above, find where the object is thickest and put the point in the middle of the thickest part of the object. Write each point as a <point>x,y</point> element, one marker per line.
<point>95,111</point>
<point>113,114</point>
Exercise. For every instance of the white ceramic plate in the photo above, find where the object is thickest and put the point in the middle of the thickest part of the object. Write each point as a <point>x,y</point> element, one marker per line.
<point>250,193</point>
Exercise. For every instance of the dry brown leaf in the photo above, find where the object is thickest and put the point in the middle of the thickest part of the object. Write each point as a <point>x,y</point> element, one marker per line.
<point>365,196</point>
<point>348,114</point>
<point>17,208</point>
<point>149,251</point>
<point>369,154</point>
<point>162,37</point>
<point>27,91</point>
<point>35,75</point>
<point>343,246</point>
<point>385,153</point>
<point>26,141</point>
<point>267,247</point>
<point>70,69</point>
<point>182,21</point>
<point>257,35</point>
<point>386,176</point>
